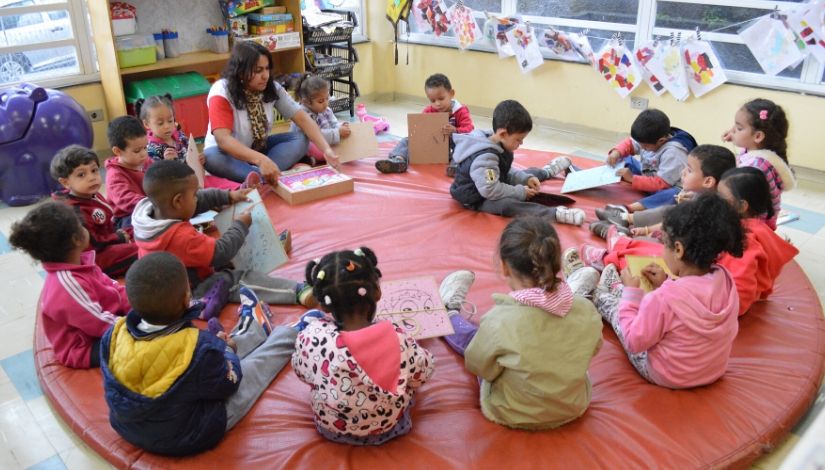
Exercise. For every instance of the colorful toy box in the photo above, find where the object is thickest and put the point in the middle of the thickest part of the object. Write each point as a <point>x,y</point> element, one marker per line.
<point>233,8</point>
<point>275,42</point>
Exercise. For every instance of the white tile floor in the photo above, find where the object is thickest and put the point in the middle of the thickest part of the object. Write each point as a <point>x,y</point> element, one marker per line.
<point>32,436</point>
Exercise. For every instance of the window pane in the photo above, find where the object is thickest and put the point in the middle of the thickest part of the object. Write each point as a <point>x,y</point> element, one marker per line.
<point>38,64</point>
<point>35,28</point>
<point>704,17</point>
<point>613,11</point>
<point>490,6</point>
<point>739,57</point>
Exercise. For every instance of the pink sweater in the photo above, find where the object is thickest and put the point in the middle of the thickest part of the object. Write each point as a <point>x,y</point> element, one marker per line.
<point>78,304</point>
<point>687,326</point>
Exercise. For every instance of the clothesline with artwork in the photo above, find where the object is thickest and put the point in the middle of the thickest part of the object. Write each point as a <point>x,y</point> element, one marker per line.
<point>778,40</point>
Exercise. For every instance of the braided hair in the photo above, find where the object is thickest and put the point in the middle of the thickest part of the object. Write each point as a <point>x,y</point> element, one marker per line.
<point>531,248</point>
<point>768,117</point>
<point>345,283</point>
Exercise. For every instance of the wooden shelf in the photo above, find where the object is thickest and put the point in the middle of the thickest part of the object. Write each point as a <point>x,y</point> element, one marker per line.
<point>183,60</point>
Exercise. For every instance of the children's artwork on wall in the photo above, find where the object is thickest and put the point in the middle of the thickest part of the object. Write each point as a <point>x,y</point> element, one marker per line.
<point>667,65</point>
<point>415,305</point>
<point>495,29</point>
<point>398,10</point>
<point>361,143</point>
<point>619,68</point>
<point>590,178</point>
<point>704,71</point>
<point>803,23</point>
<point>194,162</point>
<point>262,250</point>
<point>522,39</point>
<point>644,54</point>
<point>464,25</point>
<point>772,44</point>
<point>567,46</point>
<point>431,15</point>
<point>427,141</point>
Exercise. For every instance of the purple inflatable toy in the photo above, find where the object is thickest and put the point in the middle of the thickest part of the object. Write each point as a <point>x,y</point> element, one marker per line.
<point>35,123</point>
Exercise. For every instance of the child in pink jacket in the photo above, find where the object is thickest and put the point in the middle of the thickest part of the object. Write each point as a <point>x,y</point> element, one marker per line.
<point>79,302</point>
<point>680,334</point>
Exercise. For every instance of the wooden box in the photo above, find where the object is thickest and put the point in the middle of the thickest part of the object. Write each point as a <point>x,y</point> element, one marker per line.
<point>300,186</point>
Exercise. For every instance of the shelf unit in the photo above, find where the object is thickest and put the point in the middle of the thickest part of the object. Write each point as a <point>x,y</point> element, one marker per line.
<point>113,78</point>
<point>336,46</point>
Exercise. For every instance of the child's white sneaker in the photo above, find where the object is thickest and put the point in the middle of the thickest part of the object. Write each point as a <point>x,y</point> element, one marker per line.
<point>454,288</point>
<point>566,215</point>
<point>557,166</point>
<point>571,261</point>
<point>583,281</point>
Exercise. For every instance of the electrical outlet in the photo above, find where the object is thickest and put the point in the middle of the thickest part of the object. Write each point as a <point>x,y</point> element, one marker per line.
<point>638,103</point>
<point>96,115</point>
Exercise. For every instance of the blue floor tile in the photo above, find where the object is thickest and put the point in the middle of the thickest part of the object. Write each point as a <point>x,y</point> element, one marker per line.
<point>809,221</point>
<point>20,369</point>
<point>4,245</point>
<point>52,463</point>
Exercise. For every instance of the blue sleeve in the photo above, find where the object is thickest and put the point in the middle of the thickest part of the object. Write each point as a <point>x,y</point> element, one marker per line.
<point>219,368</point>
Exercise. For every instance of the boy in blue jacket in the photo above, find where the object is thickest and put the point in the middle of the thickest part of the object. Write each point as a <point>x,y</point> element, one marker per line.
<point>174,389</point>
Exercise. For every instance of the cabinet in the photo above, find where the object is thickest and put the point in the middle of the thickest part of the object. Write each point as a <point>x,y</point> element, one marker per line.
<point>329,54</point>
<point>113,78</point>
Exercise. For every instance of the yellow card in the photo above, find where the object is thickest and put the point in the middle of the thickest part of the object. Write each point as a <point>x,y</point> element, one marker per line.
<point>637,263</point>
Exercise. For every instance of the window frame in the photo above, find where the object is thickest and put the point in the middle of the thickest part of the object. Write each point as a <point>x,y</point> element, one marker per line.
<point>811,80</point>
<point>81,41</point>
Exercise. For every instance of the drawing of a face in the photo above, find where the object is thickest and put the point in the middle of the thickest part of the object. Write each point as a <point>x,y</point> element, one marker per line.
<point>410,300</point>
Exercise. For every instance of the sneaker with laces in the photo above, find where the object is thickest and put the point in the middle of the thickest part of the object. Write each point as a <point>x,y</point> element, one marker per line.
<point>394,164</point>
<point>454,288</point>
<point>583,281</point>
<point>306,318</point>
<point>570,261</point>
<point>253,309</point>
<point>557,166</point>
<point>613,214</point>
<point>602,229</point>
<point>566,215</point>
<point>610,282</point>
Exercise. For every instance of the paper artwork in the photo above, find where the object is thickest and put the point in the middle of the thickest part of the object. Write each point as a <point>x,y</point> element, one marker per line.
<point>591,178</point>
<point>808,28</point>
<point>427,141</point>
<point>361,143</point>
<point>415,305</point>
<point>772,44</point>
<point>618,67</point>
<point>262,250</point>
<point>194,162</point>
<point>431,15</point>
<point>636,263</point>
<point>567,46</point>
<point>704,71</point>
<point>522,39</point>
<point>667,64</point>
<point>496,31</point>
<point>644,54</point>
<point>311,179</point>
<point>464,25</point>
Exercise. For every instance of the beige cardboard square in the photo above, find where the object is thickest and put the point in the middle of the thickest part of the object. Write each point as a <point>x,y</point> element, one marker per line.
<point>427,142</point>
<point>361,143</point>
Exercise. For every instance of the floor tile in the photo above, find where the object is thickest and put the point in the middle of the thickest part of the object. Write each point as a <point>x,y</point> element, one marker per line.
<point>57,432</point>
<point>20,370</point>
<point>17,336</point>
<point>8,392</point>
<point>774,459</point>
<point>22,435</point>
<point>809,221</point>
<point>4,244</point>
<point>82,458</point>
<point>52,463</point>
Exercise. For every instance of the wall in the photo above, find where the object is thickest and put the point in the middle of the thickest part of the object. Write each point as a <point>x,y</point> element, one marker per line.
<point>189,17</point>
<point>575,94</point>
<point>91,97</point>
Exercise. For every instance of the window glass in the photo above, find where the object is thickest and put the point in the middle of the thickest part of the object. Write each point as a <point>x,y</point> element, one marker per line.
<point>704,17</point>
<point>35,28</point>
<point>611,11</point>
<point>738,57</point>
<point>490,6</point>
<point>38,64</point>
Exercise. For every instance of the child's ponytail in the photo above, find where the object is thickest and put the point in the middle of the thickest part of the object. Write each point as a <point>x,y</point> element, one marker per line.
<point>706,227</point>
<point>531,247</point>
<point>48,233</point>
<point>768,117</point>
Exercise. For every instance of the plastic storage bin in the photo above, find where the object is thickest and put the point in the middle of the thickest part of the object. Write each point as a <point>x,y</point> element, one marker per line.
<point>188,92</point>
<point>171,44</point>
<point>134,50</point>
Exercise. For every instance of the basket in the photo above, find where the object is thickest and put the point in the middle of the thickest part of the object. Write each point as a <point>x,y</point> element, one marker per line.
<point>342,96</point>
<point>342,32</point>
<point>330,60</point>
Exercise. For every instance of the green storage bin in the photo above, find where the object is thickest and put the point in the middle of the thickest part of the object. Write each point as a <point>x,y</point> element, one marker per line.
<point>179,86</point>
<point>134,50</point>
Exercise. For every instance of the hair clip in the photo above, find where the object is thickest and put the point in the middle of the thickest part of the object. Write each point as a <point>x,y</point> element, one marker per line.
<point>321,275</point>
<point>763,114</point>
<point>362,291</point>
<point>350,267</point>
<point>359,252</point>
<point>327,300</point>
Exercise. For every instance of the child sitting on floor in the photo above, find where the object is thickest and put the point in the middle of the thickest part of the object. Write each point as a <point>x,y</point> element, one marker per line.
<point>166,142</point>
<point>161,223</point>
<point>532,350</point>
<point>705,166</point>
<point>171,388</point>
<point>77,169</point>
<point>485,179</point>
<point>662,154</point>
<point>363,375</point>
<point>124,171</point>
<point>680,335</point>
<point>765,252</point>
<point>760,129</point>
<point>441,94</point>
<point>79,302</point>
<point>313,93</point>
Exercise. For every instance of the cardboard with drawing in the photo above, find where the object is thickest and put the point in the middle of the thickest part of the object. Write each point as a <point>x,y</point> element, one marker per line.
<point>427,141</point>
<point>415,305</point>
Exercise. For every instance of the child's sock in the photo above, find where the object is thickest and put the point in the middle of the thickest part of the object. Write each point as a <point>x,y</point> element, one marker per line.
<point>215,299</point>
<point>566,215</point>
<point>303,294</point>
<point>394,164</point>
<point>592,256</point>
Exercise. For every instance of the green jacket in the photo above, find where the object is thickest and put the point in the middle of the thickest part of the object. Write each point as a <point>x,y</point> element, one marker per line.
<point>534,363</point>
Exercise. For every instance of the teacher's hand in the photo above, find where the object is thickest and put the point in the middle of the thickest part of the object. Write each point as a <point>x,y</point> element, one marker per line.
<point>269,170</point>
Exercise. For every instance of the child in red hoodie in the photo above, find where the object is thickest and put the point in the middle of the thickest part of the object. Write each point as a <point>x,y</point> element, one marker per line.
<point>747,189</point>
<point>440,92</point>
<point>79,302</point>
<point>76,168</point>
<point>124,171</point>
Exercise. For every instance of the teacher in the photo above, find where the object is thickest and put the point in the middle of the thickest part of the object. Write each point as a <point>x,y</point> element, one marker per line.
<point>242,107</point>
